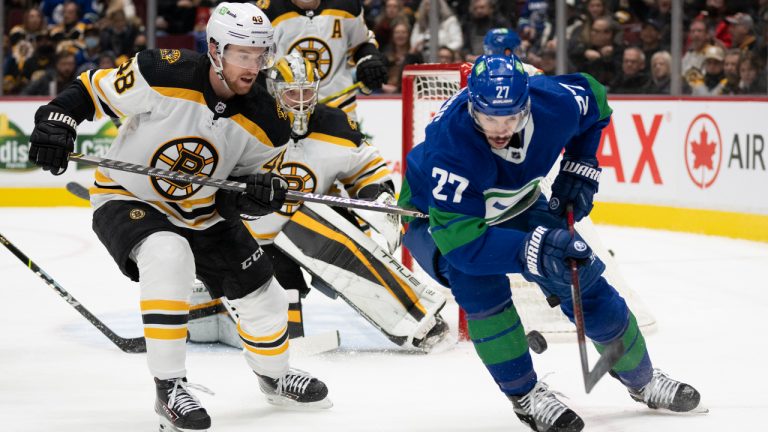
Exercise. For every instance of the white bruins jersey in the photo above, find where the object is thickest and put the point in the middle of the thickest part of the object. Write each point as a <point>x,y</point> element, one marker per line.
<point>327,37</point>
<point>333,150</point>
<point>176,122</point>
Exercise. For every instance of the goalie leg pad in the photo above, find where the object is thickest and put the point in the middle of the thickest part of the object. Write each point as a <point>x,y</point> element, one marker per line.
<point>367,277</point>
<point>263,328</point>
<point>209,321</point>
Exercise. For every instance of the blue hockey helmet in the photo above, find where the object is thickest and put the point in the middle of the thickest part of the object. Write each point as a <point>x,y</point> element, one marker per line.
<point>502,41</point>
<point>498,86</point>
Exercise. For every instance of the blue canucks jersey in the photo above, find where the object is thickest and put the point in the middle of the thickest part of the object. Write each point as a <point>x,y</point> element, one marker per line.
<point>469,188</point>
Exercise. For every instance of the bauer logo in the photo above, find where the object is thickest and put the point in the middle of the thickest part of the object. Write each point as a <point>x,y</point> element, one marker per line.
<point>14,146</point>
<point>703,151</point>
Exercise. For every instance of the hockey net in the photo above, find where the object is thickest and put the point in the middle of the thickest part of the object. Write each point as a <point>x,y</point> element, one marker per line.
<point>424,89</point>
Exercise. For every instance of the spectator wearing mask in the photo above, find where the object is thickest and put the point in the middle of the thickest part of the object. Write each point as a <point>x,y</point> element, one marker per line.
<point>54,81</point>
<point>633,78</point>
<point>90,53</point>
<point>714,77</point>
<point>449,32</point>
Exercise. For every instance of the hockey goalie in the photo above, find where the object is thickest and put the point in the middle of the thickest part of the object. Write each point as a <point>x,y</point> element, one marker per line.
<point>331,245</point>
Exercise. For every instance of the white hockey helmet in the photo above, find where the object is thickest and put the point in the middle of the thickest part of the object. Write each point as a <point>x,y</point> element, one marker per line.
<point>240,24</point>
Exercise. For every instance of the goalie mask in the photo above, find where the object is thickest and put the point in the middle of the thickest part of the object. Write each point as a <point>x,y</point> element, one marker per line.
<point>241,24</point>
<point>293,82</point>
<point>498,99</point>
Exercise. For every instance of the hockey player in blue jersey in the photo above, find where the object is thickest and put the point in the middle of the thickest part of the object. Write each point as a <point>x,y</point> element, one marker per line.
<point>502,41</point>
<point>477,175</point>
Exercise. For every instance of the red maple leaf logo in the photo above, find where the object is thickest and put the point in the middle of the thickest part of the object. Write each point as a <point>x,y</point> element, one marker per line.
<point>703,150</point>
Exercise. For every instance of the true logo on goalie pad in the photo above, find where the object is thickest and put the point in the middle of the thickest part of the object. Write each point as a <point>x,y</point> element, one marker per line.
<point>190,155</point>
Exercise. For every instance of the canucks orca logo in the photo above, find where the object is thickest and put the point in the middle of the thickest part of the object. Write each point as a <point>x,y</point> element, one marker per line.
<point>300,178</point>
<point>317,52</point>
<point>191,155</point>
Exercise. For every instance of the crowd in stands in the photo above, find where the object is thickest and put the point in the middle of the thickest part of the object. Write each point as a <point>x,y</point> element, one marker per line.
<point>625,44</point>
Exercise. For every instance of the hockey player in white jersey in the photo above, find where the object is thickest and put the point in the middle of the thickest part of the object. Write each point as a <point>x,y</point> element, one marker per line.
<point>203,115</point>
<point>333,36</point>
<point>325,148</point>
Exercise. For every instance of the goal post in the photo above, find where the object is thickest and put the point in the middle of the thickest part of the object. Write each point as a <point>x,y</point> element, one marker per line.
<point>425,88</point>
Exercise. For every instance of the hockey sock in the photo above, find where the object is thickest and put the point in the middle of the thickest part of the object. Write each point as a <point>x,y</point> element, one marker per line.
<point>295,315</point>
<point>634,368</point>
<point>500,341</point>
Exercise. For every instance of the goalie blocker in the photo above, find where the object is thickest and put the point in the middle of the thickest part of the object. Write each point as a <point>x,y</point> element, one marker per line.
<point>346,263</point>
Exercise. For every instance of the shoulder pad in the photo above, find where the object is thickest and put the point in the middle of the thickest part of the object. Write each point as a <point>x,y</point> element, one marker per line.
<point>354,7</point>
<point>335,122</point>
<point>173,68</point>
<point>262,109</point>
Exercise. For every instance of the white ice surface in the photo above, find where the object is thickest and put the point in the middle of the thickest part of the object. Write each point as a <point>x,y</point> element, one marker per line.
<point>58,373</point>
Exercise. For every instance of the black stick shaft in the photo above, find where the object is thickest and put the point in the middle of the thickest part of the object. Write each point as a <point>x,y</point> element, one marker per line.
<point>131,345</point>
<point>237,186</point>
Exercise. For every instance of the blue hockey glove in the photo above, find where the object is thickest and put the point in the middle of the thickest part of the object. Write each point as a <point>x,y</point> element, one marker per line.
<point>545,257</point>
<point>52,139</point>
<point>265,193</point>
<point>576,183</point>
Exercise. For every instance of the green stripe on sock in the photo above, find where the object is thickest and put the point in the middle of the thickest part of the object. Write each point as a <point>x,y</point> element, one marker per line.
<point>634,356</point>
<point>503,348</point>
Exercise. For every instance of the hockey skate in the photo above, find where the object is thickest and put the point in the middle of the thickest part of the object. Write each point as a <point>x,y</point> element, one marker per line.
<point>178,409</point>
<point>543,412</point>
<point>664,392</point>
<point>296,389</point>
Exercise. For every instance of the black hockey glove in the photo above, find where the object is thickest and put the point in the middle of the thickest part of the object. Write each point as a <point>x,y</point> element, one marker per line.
<point>372,71</point>
<point>576,183</point>
<point>265,194</point>
<point>52,139</point>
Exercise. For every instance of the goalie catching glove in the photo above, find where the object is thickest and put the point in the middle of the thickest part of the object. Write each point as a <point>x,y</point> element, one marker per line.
<point>264,194</point>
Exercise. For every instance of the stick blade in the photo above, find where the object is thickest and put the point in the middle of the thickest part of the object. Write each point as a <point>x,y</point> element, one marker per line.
<point>78,190</point>
<point>612,353</point>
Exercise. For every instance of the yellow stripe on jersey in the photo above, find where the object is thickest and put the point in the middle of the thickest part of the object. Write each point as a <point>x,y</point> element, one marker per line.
<point>181,93</point>
<point>253,129</point>
<point>332,139</point>
<point>370,180</point>
<point>165,333</point>
<point>105,191</point>
<point>87,83</point>
<point>283,17</point>
<point>97,77</point>
<point>337,12</point>
<point>101,177</point>
<point>165,305</point>
<point>195,202</point>
<point>311,224</point>
<point>367,167</point>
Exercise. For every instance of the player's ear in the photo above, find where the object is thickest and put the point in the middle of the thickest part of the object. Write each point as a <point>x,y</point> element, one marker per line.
<point>212,52</point>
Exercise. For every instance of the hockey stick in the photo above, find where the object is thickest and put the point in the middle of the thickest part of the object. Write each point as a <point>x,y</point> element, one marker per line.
<point>78,190</point>
<point>330,200</point>
<point>342,92</point>
<point>613,351</point>
<point>129,345</point>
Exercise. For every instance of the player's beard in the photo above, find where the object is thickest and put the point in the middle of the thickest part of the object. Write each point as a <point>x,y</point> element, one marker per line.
<point>240,85</point>
<point>498,141</point>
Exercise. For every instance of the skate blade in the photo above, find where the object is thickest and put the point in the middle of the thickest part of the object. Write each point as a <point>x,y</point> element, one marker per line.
<point>285,402</point>
<point>443,344</point>
<point>167,426</point>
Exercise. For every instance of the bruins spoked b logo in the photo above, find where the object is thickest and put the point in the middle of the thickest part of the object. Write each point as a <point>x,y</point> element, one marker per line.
<point>300,178</point>
<point>317,52</point>
<point>191,155</point>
